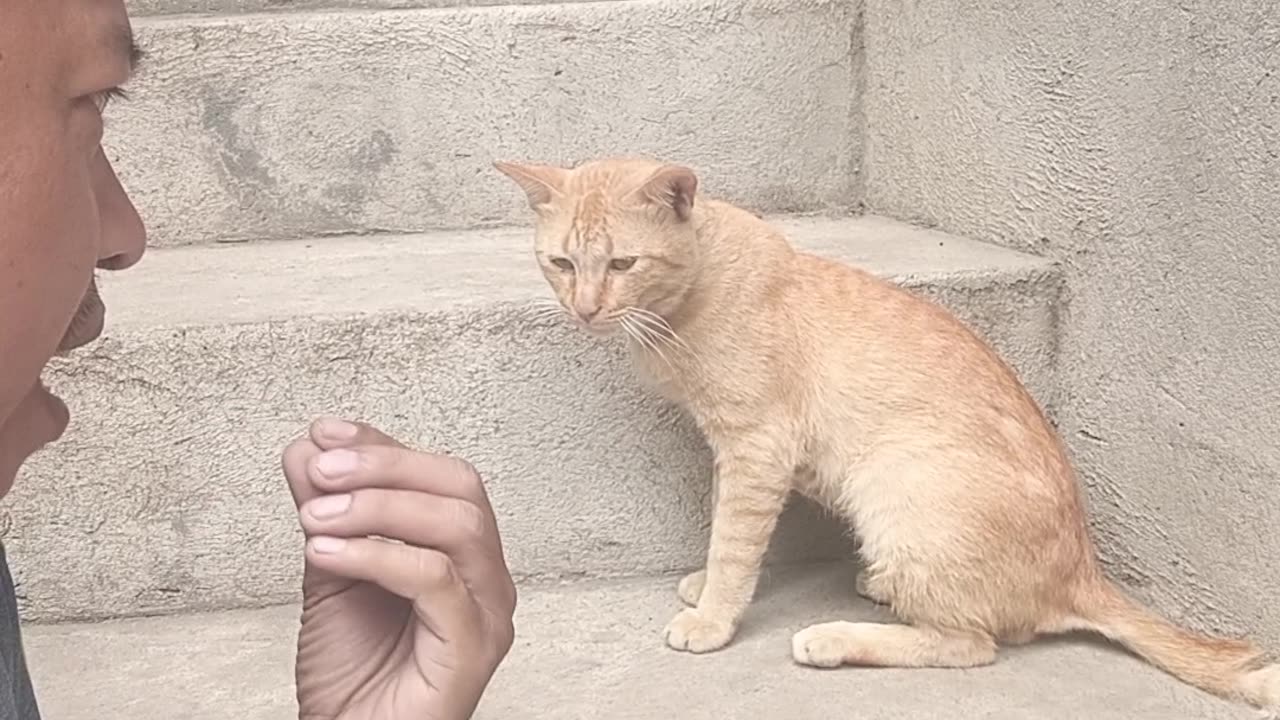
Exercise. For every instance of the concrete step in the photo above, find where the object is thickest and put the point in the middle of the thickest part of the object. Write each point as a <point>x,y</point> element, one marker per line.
<point>166,496</point>
<point>594,650</point>
<point>319,122</point>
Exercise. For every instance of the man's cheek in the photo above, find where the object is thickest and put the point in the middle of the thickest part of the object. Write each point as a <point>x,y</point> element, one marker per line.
<point>47,255</point>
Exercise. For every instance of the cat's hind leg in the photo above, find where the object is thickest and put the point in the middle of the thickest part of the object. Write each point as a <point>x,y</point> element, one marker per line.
<point>882,645</point>
<point>868,589</point>
<point>690,587</point>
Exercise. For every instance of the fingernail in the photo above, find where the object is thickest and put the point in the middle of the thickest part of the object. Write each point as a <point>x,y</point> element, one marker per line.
<point>328,545</point>
<point>336,429</point>
<point>329,506</point>
<point>336,463</point>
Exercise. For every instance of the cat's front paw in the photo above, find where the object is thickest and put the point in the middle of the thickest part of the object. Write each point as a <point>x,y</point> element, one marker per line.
<point>693,631</point>
<point>690,588</point>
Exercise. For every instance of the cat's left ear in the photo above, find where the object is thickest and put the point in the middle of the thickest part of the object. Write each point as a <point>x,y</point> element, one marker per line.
<point>673,187</point>
<point>542,183</point>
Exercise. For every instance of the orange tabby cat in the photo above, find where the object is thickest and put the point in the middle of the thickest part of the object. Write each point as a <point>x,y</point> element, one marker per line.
<point>808,375</point>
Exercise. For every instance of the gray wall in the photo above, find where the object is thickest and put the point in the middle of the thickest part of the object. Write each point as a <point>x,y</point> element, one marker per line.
<point>1138,143</point>
<point>247,127</point>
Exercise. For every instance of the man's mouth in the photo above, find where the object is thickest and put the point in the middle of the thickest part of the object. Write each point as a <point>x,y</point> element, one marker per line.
<point>87,324</point>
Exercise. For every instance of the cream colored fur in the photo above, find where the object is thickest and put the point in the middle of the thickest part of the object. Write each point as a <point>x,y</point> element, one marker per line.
<point>810,376</point>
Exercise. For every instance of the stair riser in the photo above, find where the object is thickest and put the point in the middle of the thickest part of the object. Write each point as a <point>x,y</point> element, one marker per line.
<point>166,494</point>
<point>287,125</point>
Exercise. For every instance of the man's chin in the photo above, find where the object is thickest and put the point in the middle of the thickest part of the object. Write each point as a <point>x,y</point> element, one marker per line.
<point>56,414</point>
<point>41,418</point>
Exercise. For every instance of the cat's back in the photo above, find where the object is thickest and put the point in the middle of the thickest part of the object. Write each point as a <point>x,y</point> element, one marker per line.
<point>840,318</point>
<point>886,353</point>
<point>859,352</point>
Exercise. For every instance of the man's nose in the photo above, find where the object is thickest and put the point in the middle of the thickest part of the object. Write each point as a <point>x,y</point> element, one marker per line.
<point>124,238</point>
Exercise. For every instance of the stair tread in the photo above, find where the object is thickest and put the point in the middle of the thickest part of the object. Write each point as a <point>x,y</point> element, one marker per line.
<point>215,357</point>
<point>594,650</point>
<point>240,283</point>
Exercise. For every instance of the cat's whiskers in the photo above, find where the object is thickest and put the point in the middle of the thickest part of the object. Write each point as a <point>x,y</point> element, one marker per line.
<point>642,335</point>
<point>659,328</point>
<point>655,334</point>
<point>545,310</point>
<point>654,318</point>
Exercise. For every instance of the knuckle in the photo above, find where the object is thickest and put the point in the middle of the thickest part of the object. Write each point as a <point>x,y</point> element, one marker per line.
<point>513,595</point>
<point>463,470</point>
<point>373,436</point>
<point>368,503</point>
<point>508,598</point>
<point>436,568</point>
<point>466,476</point>
<point>373,463</point>
<point>389,460</point>
<point>470,520</point>
<point>504,636</point>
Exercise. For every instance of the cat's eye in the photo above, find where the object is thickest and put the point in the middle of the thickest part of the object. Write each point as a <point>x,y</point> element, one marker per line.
<point>622,264</point>
<point>563,263</point>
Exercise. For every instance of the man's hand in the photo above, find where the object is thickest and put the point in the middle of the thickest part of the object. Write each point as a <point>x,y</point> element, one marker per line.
<point>408,602</point>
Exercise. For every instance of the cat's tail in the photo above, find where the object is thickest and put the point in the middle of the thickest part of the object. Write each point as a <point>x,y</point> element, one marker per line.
<point>1228,668</point>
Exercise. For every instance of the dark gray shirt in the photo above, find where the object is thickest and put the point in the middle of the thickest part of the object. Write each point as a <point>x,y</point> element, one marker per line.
<point>17,700</point>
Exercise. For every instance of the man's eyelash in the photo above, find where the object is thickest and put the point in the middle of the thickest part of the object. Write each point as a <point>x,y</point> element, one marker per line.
<point>106,96</point>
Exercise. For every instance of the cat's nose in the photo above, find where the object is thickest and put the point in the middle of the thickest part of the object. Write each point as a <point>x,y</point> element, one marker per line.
<point>587,304</point>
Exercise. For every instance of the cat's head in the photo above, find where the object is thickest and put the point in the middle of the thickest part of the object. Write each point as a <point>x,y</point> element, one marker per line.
<point>615,238</point>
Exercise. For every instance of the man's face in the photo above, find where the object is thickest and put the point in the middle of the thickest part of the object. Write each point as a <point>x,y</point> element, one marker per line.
<point>62,210</point>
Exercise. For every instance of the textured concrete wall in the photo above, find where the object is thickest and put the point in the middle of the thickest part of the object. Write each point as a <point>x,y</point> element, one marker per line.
<point>166,494</point>
<point>1139,144</point>
<point>266,126</point>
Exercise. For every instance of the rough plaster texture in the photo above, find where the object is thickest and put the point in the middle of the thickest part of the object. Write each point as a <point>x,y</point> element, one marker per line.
<point>254,127</point>
<point>166,495</point>
<point>1138,145</point>
<point>594,650</point>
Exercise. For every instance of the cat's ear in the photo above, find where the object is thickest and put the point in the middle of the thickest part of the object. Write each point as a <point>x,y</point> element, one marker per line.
<point>542,183</point>
<point>671,186</point>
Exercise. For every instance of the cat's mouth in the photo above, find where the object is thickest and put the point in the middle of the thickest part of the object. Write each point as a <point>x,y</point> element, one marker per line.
<point>597,327</point>
<point>645,327</point>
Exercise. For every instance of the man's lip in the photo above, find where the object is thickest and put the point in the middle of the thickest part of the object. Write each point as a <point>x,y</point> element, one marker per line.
<point>87,324</point>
